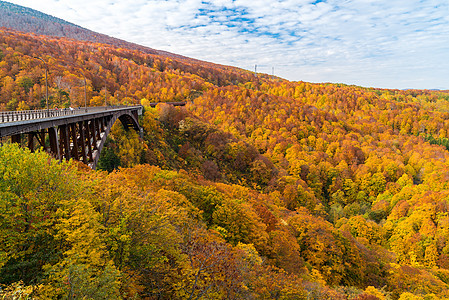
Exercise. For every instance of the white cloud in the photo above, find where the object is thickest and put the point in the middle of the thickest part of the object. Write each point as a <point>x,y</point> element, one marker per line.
<point>384,43</point>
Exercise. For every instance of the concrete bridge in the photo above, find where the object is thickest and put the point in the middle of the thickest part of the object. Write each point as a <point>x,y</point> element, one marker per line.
<point>68,133</point>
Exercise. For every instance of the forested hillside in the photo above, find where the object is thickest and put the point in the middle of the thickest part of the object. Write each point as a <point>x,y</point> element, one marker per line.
<point>260,188</point>
<point>28,20</point>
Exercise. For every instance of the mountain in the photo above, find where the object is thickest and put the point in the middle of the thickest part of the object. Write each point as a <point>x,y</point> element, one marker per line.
<point>32,21</point>
<point>259,188</point>
<point>28,20</point>
<point>14,15</point>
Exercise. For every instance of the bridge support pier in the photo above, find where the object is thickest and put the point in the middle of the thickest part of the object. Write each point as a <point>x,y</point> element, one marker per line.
<point>82,141</point>
<point>64,143</point>
<point>31,141</point>
<point>54,145</point>
<point>17,138</point>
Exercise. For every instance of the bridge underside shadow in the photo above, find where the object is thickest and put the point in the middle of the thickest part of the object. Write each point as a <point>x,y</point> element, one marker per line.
<point>80,138</point>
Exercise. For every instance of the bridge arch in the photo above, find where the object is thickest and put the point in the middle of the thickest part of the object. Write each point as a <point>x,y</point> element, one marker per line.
<point>129,120</point>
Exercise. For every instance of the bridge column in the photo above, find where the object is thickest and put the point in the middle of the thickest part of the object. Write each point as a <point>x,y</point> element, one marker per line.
<point>54,145</point>
<point>75,152</point>
<point>64,142</point>
<point>93,134</point>
<point>98,128</point>
<point>89,141</point>
<point>82,141</point>
<point>31,141</point>
<point>40,136</point>
<point>17,138</point>
<point>102,126</point>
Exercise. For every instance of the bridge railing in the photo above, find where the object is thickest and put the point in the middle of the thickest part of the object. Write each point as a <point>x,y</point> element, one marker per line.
<point>23,115</point>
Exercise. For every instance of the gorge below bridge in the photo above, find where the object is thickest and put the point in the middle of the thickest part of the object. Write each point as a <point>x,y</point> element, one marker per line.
<point>78,134</point>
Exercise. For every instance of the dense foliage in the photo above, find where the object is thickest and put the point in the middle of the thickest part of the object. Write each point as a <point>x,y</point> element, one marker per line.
<point>259,188</point>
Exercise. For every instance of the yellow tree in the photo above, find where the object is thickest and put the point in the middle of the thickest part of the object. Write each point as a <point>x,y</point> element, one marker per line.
<point>32,188</point>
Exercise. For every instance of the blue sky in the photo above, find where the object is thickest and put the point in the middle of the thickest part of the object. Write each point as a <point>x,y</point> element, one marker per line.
<point>375,43</point>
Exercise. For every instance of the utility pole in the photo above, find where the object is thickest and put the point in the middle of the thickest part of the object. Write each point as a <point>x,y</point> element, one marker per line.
<point>255,70</point>
<point>46,83</point>
<point>85,93</point>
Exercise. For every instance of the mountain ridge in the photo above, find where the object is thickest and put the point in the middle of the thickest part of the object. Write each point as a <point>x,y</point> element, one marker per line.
<point>23,10</point>
<point>29,20</point>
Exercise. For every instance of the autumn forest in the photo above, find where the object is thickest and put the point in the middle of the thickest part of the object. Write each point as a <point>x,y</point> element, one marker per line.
<point>259,188</point>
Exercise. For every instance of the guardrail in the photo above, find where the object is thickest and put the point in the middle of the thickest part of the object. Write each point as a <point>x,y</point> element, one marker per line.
<point>23,115</point>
